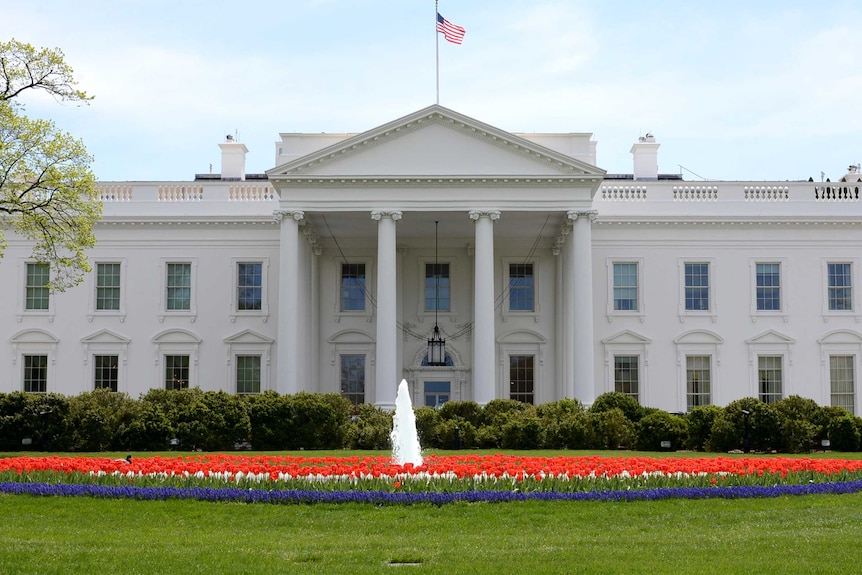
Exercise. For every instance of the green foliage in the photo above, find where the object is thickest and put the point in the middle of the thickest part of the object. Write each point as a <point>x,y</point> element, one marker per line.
<point>764,423</point>
<point>269,417</point>
<point>95,418</point>
<point>844,432</point>
<point>700,422</point>
<point>522,430</point>
<point>564,423</point>
<point>609,429</point>
<point>427,420</point>
<point>47,189</point>
<point>462,411</point>
<point>497,411</point>
<point>41,418</point>
<point>615,400</point>
<point>660,426</point>
<point>147,428</point>
<point>454,434</point>
<point>317,421</point>
<point>369,428</point>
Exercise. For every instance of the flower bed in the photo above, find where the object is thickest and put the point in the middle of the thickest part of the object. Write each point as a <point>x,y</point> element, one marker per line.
<point>441,479</point>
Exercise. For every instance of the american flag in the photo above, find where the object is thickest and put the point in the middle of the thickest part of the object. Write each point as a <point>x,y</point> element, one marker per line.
<point>452,32</point>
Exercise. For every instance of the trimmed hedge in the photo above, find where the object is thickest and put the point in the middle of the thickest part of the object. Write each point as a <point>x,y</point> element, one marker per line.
<point>192,419</point>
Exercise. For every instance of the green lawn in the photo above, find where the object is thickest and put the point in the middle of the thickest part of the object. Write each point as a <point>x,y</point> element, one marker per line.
<point>810,534</point>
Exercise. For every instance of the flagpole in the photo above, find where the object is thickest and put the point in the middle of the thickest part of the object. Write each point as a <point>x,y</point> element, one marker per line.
<point>437,48</point>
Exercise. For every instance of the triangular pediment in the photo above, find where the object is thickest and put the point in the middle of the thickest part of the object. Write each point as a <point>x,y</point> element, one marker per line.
<point>105,336</point>
<point>627,337</point>
<point>435,142</point>
<point>248,336</point>
<point>770,336</point>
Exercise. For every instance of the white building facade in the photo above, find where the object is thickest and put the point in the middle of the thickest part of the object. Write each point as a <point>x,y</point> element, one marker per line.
<point>546,277</point>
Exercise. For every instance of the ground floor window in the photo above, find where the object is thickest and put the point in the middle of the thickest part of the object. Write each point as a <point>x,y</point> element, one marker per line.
<point>176,372</point>
<point>521,378</point>
<point>353,378</point>
<point>842,381</point>
<point>770,378</point>
<point>627,375</point>
<point>105,374</point>
<point>248,374</point>
<point>698,378</point>
<point>35,373</point>
<point>437,393</point>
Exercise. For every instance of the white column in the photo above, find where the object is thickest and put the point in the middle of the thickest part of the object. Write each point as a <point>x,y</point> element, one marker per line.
<point>484,340</point>
<point>582,297</point>
<point>567,308</point>
<point>386,378</point>
<point>288,302</point>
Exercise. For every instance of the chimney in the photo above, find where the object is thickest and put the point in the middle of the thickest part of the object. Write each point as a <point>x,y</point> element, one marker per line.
<point>232,159</point>
<point>645,152</point>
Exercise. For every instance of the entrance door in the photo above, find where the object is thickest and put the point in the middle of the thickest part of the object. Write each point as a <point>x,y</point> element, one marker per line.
<point>437,393</point>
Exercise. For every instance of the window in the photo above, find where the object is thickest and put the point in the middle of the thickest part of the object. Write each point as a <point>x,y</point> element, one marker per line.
<point>108,287</point>
<point>626,374</point>
<point>521,287</point>
<point>698,380</point>
<point>352,287</point>
<point>179,287</point>
<point>37,292</point>
<point>436,393</point>
<point>437,287</point>
<point>770,378</point>
<point>353,378</point>
<point>842,381</point>
<point>176,372</point>
<point>249,286</point>
<point>697,286</point>
<point>625,286</point>
<point>521,378</point>
<point>248,374</point>
<point>840,287</point>
<point>35,373</point>
<point>768,280</point>
<point>106,375</point>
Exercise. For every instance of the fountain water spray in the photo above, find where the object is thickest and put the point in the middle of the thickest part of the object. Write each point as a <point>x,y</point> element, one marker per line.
<point>405,439</point>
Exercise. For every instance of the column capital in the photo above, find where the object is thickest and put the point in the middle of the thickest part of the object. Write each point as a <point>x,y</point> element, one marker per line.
<point>377,215</point>
<point>493,214</point>
<point>297,215</point>
<point>575,214</point>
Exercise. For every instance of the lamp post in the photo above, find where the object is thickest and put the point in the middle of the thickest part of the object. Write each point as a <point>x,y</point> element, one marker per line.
<point>436,345</point>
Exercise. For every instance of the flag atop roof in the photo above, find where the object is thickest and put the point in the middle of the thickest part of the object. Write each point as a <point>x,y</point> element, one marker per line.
<point>451,32</point>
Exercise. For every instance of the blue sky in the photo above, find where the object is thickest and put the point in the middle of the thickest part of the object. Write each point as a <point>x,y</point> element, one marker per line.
<point>736,90</point>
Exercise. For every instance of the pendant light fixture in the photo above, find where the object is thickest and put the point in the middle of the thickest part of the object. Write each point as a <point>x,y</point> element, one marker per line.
<point>436,345</point>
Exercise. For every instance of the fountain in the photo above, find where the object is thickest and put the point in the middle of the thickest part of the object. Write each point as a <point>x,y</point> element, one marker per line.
<point>405,439</point>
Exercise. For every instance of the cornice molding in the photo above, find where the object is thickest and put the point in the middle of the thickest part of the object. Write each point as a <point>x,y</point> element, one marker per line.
<point>421,182</point>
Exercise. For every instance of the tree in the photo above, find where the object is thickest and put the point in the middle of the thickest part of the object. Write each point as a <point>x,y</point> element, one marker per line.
<point>47,190</point>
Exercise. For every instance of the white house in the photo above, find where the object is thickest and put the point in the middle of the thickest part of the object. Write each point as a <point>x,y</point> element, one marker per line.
<point>546,277</point>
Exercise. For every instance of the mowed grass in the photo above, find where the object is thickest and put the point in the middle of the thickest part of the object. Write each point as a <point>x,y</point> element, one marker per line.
<point>809,534</point>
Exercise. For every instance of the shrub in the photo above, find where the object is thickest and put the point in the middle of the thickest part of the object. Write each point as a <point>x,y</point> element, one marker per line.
<point>609,429</point>
<point>497,411</point>
<point>317,421</point>
<point>95,418</point>
<point>843,433</point>
<point>462,410</point>
<point>764,425</point>
<point>270,420</point>
<point>147,428</point>
<point>700,422</point>
<point>564,424</point>
<point>615,400</point>
<point>369,428</point>
<point>41,418</point>
<point>797,435</point>
<point>522,430</point>
<point>661,426</point>
<point>427,421</point>
<point>455,434</point>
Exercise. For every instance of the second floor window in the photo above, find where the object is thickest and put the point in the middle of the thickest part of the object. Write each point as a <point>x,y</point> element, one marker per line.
<point>107,287</point>
<point>437,287</point>
<point>352,287</point>
<point>768,287</point>
<point>626,286</point>
<point>37,292</point>
<point>840,287</point>
<point>249,294</point>
<point>521,293</point>
<point>179,287</point>
<point>697,286</point>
